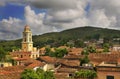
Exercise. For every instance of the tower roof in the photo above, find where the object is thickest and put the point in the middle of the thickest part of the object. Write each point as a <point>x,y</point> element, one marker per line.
<point>27,28</point>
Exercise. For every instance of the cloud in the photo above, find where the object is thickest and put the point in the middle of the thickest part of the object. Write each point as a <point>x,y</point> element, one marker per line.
<point>53,4</point>
<point>2,3</point>
<point>100,14</point>
<point>64,19</point>
<point>36,21</point>
<point>63,14</point>
<point>11,28</point>
<point>111,11</point>
<point>98,18</point>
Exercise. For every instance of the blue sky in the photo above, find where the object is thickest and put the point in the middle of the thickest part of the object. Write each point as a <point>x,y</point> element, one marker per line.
<point>45,16</point>
<point>10,10</point>
<point>17,11</point>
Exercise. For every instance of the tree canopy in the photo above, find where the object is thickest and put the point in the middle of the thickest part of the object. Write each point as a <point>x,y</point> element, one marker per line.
<point>38,74</point>
<point>2,54</point>
<point>58,52</point>
<point>90,74</point>
<point>84,60</point>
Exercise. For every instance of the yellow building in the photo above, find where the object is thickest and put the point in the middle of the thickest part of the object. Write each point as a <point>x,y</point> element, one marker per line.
<point>5,64</point>
<point>27,49</point>
<point>27,44</point>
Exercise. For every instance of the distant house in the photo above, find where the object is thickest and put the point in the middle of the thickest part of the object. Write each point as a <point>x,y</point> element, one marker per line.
<point>49,62</point>
<point>116,48</point>
<point>5,64</point>
<point>108,71</point>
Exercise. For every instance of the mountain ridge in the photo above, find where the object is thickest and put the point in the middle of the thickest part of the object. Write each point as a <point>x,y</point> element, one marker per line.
<point>61,38</point>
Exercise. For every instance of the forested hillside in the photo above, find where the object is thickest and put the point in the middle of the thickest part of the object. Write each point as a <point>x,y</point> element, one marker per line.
<point>61,38</point>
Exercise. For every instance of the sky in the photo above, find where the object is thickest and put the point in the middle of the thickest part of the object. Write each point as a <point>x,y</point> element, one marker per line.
<point>45,16</point>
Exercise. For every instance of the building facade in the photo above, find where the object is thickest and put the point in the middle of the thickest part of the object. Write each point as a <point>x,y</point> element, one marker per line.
<point>27,43</point>
<point>27,49</point>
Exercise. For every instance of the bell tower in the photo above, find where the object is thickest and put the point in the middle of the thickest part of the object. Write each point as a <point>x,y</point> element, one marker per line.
<point>27,44</point>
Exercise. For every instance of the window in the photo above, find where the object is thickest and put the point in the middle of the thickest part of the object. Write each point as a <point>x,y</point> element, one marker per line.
<point>71,75</point>
<point>36,56</point>
<point>21,56</point>
<point>33,56</point>
<point>30,39</point>
<point>109,77</point>
<point>24,34</point>
<point>2,65</point>
<point>25,39</point>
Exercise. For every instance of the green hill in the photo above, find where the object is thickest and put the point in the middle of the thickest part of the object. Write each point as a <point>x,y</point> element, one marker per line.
<point>61,38</point>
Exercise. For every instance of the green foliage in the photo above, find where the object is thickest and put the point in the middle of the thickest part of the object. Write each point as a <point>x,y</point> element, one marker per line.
<point>10,45</point>
<point>47,51</point>
<point>38,74</point>
<point>2,54</point>
<point>70,44</point>
<point>29,74</point>
<point>106,47</point>
<point>14,62</point>
<point>59,53</point>
<point>48,75</point>
<point>90,74</point>
<point>84,60</point>
<point>79,43</point>
<point>56,39</point>
<point>89,49</point>
<point>85,52</point>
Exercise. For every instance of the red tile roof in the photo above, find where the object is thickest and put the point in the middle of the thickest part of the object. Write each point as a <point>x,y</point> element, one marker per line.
<point>61,75</point>
<point>20,59</point>
<point>48,59</point>
<point>36,63</point>
<point>66,70</point>
<point>11,72</point>
<point>69,62</point>
<point>76,51</point>
<point>73,56</point>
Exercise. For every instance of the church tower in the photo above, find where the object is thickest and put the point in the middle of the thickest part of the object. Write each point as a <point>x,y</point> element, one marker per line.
<point>27,44</point>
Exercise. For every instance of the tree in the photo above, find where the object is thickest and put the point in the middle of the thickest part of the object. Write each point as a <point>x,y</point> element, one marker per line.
<point>29,74</point>
<point>59,52</point>
<point>79,43</point>
<point>96,36</point>
<point>70,44</point>
<point>38,74</point>
<point>84,60</point>
<point>2,54</point>
<point>90,74</point>
<point>47,51</point>
<point>91,49</point>
<point>106,47</point>
<point>85,52</point>
<point>48,75</point>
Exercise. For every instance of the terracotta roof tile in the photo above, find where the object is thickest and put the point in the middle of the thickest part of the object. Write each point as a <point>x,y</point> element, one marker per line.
<point>66,70</point>
<point>69,62</point>
<point>11,72</point>
<point>35,64</point>
<point>76,51</point>
<point>61,75</point>
<point>48,59</point>
<point>73,56</point>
